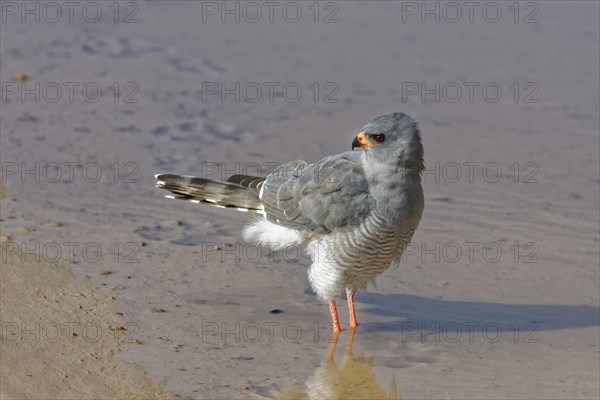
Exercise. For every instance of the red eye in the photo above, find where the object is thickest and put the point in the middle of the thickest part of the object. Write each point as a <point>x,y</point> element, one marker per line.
<point>379,138</point>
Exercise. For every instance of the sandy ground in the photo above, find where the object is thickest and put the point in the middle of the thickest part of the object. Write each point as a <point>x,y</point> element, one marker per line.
<point>516,317</point>
<point>60,337</point>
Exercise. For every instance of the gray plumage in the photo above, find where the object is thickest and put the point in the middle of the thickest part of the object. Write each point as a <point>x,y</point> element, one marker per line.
<point>218,194</point>
<point>355,211</point>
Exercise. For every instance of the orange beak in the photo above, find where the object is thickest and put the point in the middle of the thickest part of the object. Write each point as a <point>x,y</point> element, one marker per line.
<point>360,141</point>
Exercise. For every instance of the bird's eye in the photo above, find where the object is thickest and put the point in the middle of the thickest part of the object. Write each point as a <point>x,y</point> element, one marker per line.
<point>379,138</point>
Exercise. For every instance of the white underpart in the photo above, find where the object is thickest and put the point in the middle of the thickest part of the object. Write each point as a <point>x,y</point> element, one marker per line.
<point>272,235</point>
<point>325,276</point>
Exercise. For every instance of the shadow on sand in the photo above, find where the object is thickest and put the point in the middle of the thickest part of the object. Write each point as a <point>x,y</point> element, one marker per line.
<point>415,312</point>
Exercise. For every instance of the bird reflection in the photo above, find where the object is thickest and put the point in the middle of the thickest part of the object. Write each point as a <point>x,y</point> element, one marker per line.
<point>354,379</point>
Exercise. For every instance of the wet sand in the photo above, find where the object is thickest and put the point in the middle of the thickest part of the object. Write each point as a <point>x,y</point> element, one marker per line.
<point>497,298</point>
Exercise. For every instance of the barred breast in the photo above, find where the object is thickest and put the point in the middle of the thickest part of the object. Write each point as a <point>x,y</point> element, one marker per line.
<point>352,258</point>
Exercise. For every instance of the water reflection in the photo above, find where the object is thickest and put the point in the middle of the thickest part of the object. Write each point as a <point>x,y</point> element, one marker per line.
<point>354,379</point>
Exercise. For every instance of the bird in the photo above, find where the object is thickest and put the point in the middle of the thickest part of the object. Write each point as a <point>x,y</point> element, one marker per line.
<point>355,212</point>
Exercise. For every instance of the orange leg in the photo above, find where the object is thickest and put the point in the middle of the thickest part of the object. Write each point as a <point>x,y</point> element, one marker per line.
<point>350,341</point>
<point>350,296</point>
<point>334,317</point>
<point>332,345</point>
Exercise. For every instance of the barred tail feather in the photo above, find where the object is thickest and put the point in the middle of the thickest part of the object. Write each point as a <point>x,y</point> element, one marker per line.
<point>213,193</point>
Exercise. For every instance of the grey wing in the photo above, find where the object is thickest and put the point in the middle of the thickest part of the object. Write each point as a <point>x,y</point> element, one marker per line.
<point>318,197</point>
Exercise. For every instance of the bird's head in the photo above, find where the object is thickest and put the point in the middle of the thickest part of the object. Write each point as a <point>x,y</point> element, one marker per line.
<point>393,138</point>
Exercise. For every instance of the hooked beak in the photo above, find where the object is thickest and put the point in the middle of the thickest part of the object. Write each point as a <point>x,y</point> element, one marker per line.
<point>360,141</point>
